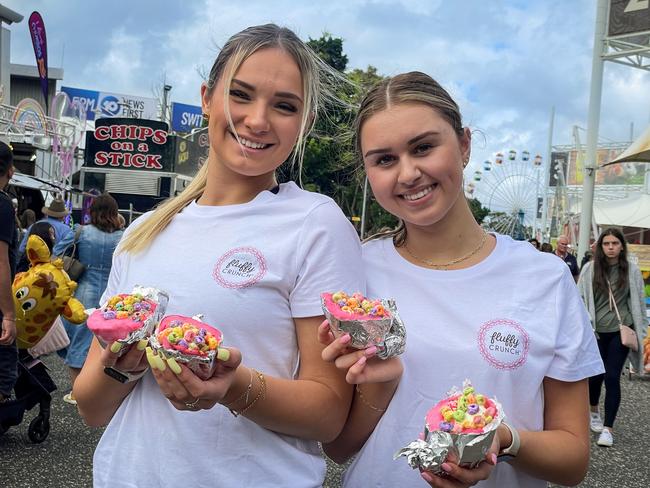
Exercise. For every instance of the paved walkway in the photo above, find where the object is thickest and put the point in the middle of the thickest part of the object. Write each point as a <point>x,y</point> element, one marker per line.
<point>65,458</point>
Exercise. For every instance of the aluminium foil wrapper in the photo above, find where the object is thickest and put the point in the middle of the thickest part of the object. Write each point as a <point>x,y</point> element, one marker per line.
<point>201,366</point>
<point>388,334</point>
<point>161,299</point>
<point>466,450</point>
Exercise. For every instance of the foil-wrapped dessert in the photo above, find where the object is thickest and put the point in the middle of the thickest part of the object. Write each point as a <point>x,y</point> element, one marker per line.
<point>459,428</point>
<point>128,318</point>
<point>370,322</point>
<point>189,341</point>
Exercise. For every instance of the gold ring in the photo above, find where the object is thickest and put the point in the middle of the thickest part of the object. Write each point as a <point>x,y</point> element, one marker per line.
<point>193,405</point>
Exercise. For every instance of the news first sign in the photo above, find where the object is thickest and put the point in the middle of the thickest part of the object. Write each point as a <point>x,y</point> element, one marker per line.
<point>186,117</point>
<point>108,105</point>
<point>129,144</point>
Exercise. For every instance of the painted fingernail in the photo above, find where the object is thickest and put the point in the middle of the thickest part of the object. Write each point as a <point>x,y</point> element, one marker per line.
<point>493,458</point>
<point>174,366</point>
<point>370,351</point>
<point>142,343</point>
<point>223,354</point>
<point>361,361</point>
<point>160,364</point>
<point>151,358</point>
<point>116,347</point>
<point>345,339</point>
<point>446,468</point>
<point>160,361</point>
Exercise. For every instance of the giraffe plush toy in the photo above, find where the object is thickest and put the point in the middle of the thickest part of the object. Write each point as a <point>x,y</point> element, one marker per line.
<point>41,294</point>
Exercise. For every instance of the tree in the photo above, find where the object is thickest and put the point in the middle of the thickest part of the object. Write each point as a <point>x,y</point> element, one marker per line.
<point>478,210</point>
<point>330,50</point>
<point>330,164</point>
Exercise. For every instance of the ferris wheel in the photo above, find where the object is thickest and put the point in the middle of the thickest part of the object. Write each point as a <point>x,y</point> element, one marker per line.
<point>511,188</point>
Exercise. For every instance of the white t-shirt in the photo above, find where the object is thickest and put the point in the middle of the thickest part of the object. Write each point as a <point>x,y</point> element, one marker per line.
<point>250,269</point>
<point>505,324</point>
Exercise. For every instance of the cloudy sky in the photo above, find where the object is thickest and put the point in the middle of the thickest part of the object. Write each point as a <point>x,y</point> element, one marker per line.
<point>506,62</point>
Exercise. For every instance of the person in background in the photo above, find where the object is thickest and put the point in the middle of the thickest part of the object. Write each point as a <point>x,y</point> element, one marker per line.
<point>95,246</point>
<point>534,242</point>
<point>8,244</point>
<point>562,251</point>
<point>27,219</point>
<point>55,213</point>
<point>45,231</point>
<point>610,284</point>
<point>546,247</point>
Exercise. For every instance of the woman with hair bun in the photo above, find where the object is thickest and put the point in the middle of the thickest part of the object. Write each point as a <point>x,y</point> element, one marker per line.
<point>476,305</point>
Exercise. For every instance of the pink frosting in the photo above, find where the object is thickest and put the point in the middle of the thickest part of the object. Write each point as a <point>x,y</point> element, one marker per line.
<point>111,330</point>
<point>335,310</point>
<point>169,319</point>
<point>434,416</point>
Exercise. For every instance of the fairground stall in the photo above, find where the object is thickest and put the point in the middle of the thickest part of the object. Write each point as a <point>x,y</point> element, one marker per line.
<point>138,162</point>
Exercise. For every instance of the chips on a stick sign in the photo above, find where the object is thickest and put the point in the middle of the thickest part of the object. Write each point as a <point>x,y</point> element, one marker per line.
<point>129,144</point>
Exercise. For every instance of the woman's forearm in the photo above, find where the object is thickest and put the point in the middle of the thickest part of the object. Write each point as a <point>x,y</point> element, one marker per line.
<point>560,453</point>
<point>556,456</point>
<point>98,395</point>
<point>307,408</point>
<point>362,420</point>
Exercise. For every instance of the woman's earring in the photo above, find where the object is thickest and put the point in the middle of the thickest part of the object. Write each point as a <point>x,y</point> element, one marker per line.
<point>465,162</point>
<point>206,117</point>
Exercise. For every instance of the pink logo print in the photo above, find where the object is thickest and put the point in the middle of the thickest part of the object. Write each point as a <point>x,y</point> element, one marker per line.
<point>503,343</point>
<point>240,268</point>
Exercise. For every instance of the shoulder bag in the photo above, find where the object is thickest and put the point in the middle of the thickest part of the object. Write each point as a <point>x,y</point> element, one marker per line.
<point>628,334</point>
<point>71,264</point>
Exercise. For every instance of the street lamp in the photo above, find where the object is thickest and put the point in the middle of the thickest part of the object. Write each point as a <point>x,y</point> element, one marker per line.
<point>163,114</point>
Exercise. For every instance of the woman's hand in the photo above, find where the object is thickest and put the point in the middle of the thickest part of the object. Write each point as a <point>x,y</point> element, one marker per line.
<point>132,361</point>
<point>185,390</point>
<point>361,366</point>
<point>456,477</point>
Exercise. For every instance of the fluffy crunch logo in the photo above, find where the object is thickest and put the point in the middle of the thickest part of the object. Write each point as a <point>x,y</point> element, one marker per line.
<point>240,268</point>
<point>503,343</point>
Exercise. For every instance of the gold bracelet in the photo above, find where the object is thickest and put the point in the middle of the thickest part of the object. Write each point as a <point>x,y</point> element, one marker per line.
<point>260,394</point>
<point>366,402</point>
<point>245,395</point>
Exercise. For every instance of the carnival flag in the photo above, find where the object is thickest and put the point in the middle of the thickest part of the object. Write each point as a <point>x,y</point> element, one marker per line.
<point>37,30</point>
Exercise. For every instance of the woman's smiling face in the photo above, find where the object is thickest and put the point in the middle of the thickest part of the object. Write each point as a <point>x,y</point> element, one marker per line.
<point>414,162</point>
<point>266,104</point>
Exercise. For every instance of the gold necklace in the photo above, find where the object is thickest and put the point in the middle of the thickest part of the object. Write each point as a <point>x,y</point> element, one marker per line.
<point>452,262</point>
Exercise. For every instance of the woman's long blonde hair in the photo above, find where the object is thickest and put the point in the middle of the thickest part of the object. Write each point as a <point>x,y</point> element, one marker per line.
<point>319,82</point>
<point>414,87</point>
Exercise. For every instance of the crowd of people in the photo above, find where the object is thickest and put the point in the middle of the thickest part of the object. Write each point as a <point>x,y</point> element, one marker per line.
<point>286,382</point>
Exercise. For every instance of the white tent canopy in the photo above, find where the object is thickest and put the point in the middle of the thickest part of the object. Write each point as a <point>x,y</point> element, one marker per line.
<point>629,212</point>
<point>27,181</point>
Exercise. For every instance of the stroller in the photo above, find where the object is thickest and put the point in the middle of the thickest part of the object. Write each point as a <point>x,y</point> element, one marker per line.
<point>33,387</point>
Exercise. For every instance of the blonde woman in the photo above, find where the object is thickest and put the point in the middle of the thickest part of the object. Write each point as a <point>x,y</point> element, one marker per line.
<point>263,254</point>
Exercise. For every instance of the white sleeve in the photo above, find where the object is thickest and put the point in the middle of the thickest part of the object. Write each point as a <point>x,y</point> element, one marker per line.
<point>119,262</point>
<point>576,353</point>
<point>113,285</point>
<point>328,258</point>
